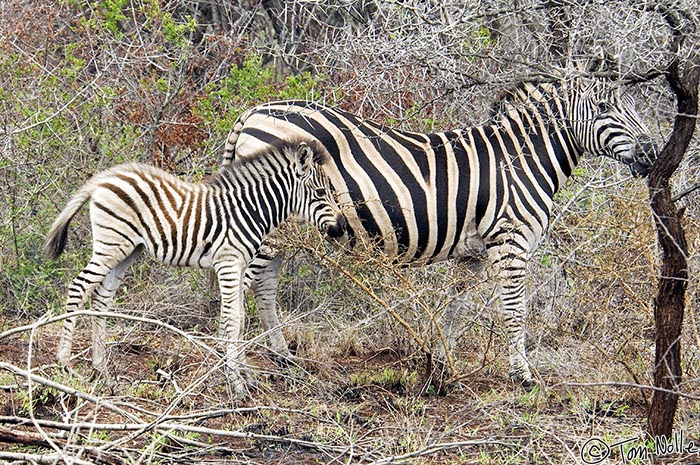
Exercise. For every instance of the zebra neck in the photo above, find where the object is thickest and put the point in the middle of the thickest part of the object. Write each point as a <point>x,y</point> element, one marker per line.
<point>259,195</point>
<point>537,133</point>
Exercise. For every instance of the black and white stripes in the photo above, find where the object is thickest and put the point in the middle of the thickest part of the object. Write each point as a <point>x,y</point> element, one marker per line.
<point>217,224</point>
<point>478,192</point>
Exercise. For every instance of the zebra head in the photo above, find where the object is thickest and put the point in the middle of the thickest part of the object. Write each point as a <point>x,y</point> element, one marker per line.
<point>315,198</point>
<point>612,127</point>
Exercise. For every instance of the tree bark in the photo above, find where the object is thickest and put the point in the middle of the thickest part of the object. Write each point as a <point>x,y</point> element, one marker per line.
<point>670,299</point>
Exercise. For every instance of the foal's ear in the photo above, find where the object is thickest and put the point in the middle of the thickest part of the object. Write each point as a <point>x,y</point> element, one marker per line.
<point>305,159</point>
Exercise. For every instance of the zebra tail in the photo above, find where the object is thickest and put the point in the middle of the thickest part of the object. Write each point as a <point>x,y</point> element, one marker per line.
<point>58,234</point>
<point>230,146</point>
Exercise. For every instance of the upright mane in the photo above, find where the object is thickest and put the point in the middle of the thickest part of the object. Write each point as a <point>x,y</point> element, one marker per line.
<point>279,151</point>
<point>524,94</point>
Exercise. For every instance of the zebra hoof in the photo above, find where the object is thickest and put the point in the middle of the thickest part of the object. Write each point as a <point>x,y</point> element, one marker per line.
<point>283,361</point>
<point>70,371</point>
<point>528,384</point>
<point>523,379</point>
<point>241,383</point>
<point>239,386</point>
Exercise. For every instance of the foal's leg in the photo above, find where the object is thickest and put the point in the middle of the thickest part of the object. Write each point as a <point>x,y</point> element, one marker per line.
<point>262,277</point>
<point>230,270</point>
<point>78,292</point>
<point>102,300</point>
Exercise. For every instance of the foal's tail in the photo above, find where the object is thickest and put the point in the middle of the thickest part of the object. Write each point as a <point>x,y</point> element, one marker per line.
<point>58,234</point>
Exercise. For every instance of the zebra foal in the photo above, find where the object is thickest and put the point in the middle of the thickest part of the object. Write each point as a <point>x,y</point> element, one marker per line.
<point>217,224</point>
<point>476,193</point>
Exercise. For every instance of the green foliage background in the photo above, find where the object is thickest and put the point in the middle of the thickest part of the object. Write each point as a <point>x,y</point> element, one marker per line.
<point>85,86</point>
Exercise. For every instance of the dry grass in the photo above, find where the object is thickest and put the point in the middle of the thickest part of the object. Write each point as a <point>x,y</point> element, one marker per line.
<point>358,390</point>
<point>81,94</point>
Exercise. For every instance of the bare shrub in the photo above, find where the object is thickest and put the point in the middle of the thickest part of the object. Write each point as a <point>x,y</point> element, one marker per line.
<point>85,85</point>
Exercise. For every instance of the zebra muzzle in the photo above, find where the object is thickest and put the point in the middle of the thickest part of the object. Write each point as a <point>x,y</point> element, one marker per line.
<point>337,230</point>
<point>647,152</point>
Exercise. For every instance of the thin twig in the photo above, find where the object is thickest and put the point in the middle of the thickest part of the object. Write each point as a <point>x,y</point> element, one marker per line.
<point>434,448</point>
<point>629,385</point>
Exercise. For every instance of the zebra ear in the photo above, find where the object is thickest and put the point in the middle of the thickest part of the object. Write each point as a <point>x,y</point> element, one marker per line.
<point>305,159</point>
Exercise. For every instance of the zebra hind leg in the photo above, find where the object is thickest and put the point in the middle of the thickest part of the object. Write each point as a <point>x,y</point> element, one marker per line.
<point>102,300</point>
<point>80,288</point>
<point>85,284</point>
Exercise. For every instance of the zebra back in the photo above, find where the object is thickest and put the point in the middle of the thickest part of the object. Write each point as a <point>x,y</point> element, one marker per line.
<point>424,196</point>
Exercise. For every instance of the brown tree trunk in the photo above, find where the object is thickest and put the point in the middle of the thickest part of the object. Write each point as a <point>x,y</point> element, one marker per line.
<point>668,313</point>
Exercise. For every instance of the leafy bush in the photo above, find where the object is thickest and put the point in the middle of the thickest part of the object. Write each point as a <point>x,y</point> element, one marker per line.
<point>93,98</point>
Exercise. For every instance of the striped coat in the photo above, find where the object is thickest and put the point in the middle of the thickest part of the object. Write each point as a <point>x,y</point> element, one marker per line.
<point>479,193</point>
<point>219,224</point>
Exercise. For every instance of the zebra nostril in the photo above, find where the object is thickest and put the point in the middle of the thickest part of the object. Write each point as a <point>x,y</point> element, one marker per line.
<point>647,152</point>
<point>336,230</point>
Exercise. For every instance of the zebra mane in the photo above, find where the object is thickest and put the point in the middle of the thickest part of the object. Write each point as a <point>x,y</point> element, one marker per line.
<point>281,152</point>
<point>528,93</point>
<point>523,93</point>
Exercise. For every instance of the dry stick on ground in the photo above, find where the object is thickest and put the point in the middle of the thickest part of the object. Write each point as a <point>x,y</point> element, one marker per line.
<point>161,424</point>
<point>79,394</point>
<point>440,447</point>
<point>170,427</point>
<point>33,439</point>
<point>139,426</point>
<point>146,426</point>
<point>50,459</point>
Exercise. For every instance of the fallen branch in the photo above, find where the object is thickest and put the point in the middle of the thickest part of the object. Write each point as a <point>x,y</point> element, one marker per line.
<point>36,458</point>
<point>33,439</point>
<point>15,436</point>
<point>168,427</point>
<point>440,447</point>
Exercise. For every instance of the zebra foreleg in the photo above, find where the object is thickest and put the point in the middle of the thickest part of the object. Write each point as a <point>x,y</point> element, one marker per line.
<point>263,278</point>
<point>513,302</point>
<point>230,273</point>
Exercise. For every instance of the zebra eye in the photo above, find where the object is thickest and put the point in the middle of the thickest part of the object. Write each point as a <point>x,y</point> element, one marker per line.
<point>604,107</point>
<point>320,192</point>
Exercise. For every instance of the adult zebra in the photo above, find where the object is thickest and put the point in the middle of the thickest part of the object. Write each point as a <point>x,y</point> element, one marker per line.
<point>480,192</point>
<point>219,223</point>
